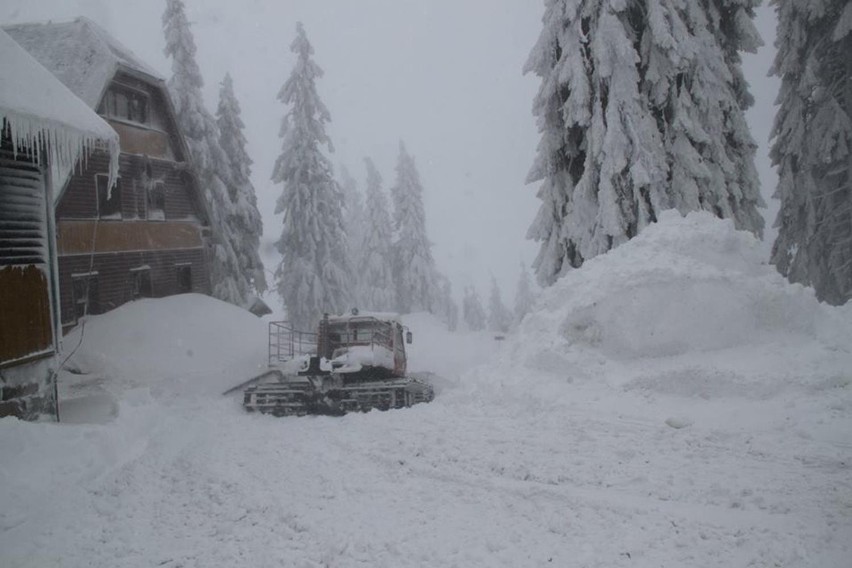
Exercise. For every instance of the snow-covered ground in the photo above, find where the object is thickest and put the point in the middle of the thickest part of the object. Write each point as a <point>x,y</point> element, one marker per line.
<point>674,403</point>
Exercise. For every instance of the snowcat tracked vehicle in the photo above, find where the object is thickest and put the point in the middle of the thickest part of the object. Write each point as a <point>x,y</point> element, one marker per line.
<point>354,362</point>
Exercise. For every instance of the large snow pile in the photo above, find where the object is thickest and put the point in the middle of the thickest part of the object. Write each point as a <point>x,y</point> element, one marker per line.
<point>180,345</point>
<point>689,307</point>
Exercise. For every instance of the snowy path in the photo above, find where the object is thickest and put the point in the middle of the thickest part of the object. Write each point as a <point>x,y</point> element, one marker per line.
<point>454,483</point>
<point>539,461</point>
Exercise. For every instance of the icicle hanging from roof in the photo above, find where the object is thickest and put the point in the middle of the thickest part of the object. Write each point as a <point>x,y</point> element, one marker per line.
<point>42,114</point>
<point>66,146</point>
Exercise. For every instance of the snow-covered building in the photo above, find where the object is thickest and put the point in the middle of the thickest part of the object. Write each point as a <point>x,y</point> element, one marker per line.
<point>147,235</point>
<point>44,131</point>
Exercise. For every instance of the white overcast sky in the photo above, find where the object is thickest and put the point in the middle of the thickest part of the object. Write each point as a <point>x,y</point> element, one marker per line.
<point>442,75</point>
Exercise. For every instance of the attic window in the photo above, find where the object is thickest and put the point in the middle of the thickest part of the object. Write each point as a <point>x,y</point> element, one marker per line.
<point>125,104</point>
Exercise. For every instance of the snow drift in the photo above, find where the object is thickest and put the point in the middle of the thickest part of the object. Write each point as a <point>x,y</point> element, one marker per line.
<point>180,345</point>
<point>687,294</point>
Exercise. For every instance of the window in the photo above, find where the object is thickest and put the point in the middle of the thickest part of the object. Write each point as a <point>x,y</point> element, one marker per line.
<point>85,294</point>
<point>184,278</point>
<point>140,282</point>
<point>109,202</point>
<point>125,104</point>
<point>157,202</point>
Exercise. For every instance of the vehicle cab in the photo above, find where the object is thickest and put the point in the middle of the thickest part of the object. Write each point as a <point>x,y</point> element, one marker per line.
<point>364,342</point>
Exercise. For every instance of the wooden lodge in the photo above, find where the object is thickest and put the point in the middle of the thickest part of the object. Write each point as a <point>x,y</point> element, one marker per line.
<point>147,235</point>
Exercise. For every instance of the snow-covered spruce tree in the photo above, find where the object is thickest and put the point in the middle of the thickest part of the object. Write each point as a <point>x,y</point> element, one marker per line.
<point>377,285</point>
<point>314,275</point>
<point>354,222</point>
<point>812,146</point>
<point>447,308</point>
<point>523,295</point>
<point>640,110</point>
<point>413,266</point>
<point>244,219</point>
<point>208,159</point>
<point>472,310</point>
<point>499,317</point>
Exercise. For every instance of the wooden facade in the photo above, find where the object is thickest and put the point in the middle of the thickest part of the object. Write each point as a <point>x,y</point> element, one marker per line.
<point>45,129</point>
<point>145,237</point>
<point>27,333</point>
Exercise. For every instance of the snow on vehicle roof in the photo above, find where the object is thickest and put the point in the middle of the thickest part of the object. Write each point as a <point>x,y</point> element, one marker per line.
<point>80,54</point>
<point>39,109</point>
<point>381,316</point>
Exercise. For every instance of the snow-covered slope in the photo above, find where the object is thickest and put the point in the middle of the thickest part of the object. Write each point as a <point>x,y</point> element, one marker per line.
<point>673,403</point>
<point>688,307</point>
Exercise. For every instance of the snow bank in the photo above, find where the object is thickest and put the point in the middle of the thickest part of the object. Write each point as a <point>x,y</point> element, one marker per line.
<point>179,345</point>
<point>688,300</point>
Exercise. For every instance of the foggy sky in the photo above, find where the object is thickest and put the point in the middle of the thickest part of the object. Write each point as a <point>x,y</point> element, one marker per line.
<point>443,75</point>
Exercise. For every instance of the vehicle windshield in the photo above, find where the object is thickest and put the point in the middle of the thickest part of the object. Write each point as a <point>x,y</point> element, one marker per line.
<point>360,332</point>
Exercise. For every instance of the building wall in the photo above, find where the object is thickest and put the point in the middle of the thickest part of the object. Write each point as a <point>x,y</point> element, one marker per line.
<point>27,338</point>
<point>115,273</point>
<point>26,330</point>
<point>80,198</point>
<point>27,391</point>
<point>159,236</point>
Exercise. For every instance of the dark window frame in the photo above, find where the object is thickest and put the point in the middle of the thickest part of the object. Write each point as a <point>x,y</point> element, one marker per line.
<point>127,104</point>
<point>88,302</point>
<point>156,202</point>
<point>108,207</point>
<point>141,284</point>
<point>183,278</point>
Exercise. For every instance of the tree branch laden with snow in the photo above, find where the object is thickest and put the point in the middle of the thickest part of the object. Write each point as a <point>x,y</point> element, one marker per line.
<point>314,276</point>
<point>640,110</point>
<point>812,146</point>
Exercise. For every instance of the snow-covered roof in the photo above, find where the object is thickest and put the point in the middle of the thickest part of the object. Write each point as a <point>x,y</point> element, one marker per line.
<point>381,316</point>
<point>39,109</point>
<point>81,55</point>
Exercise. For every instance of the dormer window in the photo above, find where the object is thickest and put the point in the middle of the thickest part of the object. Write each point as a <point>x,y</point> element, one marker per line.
<point>127,104</point>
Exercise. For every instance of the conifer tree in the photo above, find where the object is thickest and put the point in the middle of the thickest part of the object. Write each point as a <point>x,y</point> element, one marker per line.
<point>414,268</point>
<point>640,110</point>
<point>499,318</point>
<point>244,219</point>
<point>472,310</point>
<point>447,308</point>
<point>354,222</point>
<point>812,146</point>
<point>314,275</point>
<point>377,292</point>
<point>354,203</point>
<point>523,295</point>
<point>208,159</point>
